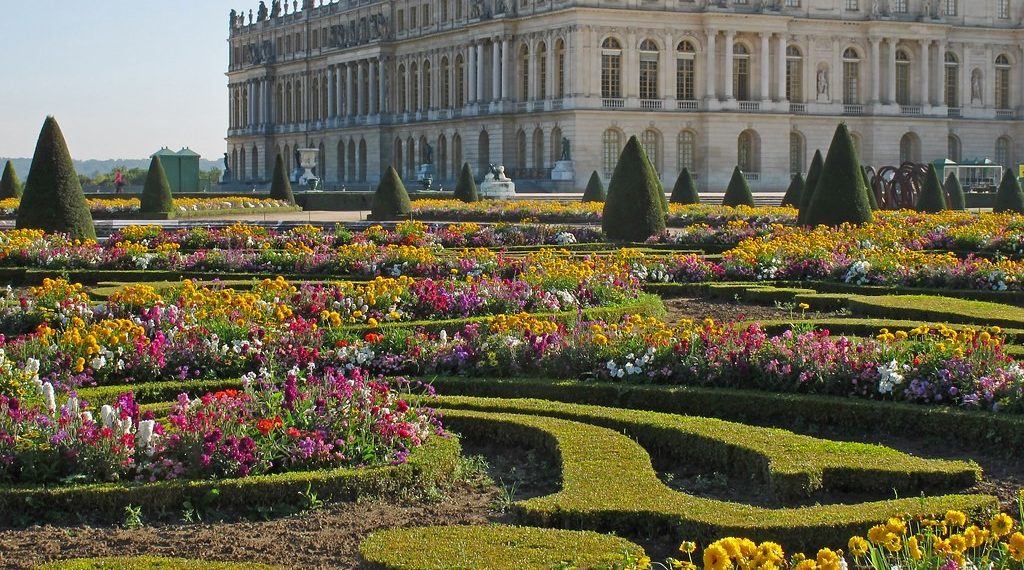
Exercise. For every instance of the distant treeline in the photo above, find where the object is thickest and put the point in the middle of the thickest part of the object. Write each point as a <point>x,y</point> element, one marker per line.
<point>92,168</point>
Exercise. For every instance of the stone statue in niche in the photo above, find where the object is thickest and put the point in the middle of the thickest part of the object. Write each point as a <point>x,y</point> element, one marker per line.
<point>976,87</point>
<point>823,87</point>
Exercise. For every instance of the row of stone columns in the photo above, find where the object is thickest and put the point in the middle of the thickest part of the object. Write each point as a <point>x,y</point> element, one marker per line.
<point>250,103</point>
<point>355,88</point>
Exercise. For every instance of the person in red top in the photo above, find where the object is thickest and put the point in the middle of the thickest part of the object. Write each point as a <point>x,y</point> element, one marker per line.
<point>118,181</point>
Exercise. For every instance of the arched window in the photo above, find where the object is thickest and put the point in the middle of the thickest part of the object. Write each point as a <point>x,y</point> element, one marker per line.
<point>1002,82</point>
<point>483,152</point>
<point>410,157</point>
<point>520,151</point>
<point>298,102</point>
<point>1004,151</point>
<point>851,77</point>
<point>256,162</point>
<point>560,69</point>
<point>460,82</point>
<point>542,71</point>
<point>612,146</point>
<point>611,69</point>
<point>456,154</point>
<point>556,145</point>
<point>687,142</point>
<point>648,69</point>
<point>234,160</point>
<point>315,111</point>
<point>446,84</point>
<point>910,148</point>
<point>241,164</point>
<point>741,72</point>
<point>288,109</point>
<point>796,152</point>
<point>748,149</point>
<point>794,75</point>
<point>321,163</point>
<point>442,157</point>
<point>414,87</point>
<point>686,57</point>
<point>362,160</point>
<point>424,153</point>
<point>325,99</point>
<point>428,87</point>
<point>538,149</point>
<point>902,77</point>
<point>351,156</point>
<point>953,148</point>
<point>650,140</point>
<point>245,109</point>
<point>398,157</point>
<point>279,107</point>
<point>524,72</point>
<point>340,157</point>
<point>951,80</point>
<point>402,82</point>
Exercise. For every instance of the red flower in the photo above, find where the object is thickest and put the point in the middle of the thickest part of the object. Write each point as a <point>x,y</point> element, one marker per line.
<point>293,432</point>
<point>373,338</point>
<point>341,343</point>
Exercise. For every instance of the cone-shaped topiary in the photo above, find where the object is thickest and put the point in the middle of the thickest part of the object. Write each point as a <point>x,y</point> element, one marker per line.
<point>10,185</point>
<point>633,210</point>
<point>871,193</point>
<point>794,192</point>
<point>933,197</point>
<point>738,192</point>
<point>595,189</point>
<point>955,193</point>
<point>465,187</point>
<point>280,186</point>
<point>156,194</point>
<point>53,200</point>
<point>1009,197</point>
<point>391,201</point>
<point>841,195</point>
<point>685,191</point>
<point>813,173</point>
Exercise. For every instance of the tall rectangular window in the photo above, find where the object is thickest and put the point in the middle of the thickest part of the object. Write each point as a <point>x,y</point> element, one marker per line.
<point>852,5</point>
<point>952,89</point>
<point>611,74</point>
<point>951,7</point>
<point>741,78</point>
<point>903,83</point>
<point>851,82</point>
<point>1004,9</point>
<point>684,80</point>
<point>1002,88</point>
<point>899,6</point>
<point>648,77</point>
<point>794,80</point>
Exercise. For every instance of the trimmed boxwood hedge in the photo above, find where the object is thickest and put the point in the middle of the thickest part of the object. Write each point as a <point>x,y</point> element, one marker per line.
<point>608,483</point>
<point>148,563</point>
<point>493,547</point>
<point>794,466</point>
<point>1002,433</point>
<point>430,465</point>
<point>933,308</point>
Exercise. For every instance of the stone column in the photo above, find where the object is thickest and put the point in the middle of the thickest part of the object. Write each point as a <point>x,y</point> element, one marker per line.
<point>764,65</point>
<point>332,93</point>
<point>382,95</point>
<point>506,68</point>
<point>339,93</point>
<point>712,67</point>
<point>471,74</point>
<point>730,37</point>
<point>892,71</point>
<point>876,74</point>
<point>374,82</point>
<point>495,70</point>
<point>552,72</point>
<point>350,96</point>
<point>780,68</point>
<point>480,74</point>
<point>940,74</point>
<point>926,95</point>
<point>360,86</point>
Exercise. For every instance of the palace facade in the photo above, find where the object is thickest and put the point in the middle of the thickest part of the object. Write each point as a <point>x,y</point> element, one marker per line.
<point>705,84</point>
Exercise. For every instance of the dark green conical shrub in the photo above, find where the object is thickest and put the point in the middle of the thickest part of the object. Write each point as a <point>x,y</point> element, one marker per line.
<point>156,194</point>
<point>841,195</point>
<point>738,192</point>
<point>280,186</point>
<point>633,210</point>
<point>53,200</point>
<point>685,191</point>
<point>794,192</point>
<point>391,201</point>
<point>871,193</point>
<point>595,189</point>
<point>465,186</point>
<point>932,198</point>
<point>813,173</point>
<point>1009,197</point>
<point>955,193</point>
<point>10,185</point>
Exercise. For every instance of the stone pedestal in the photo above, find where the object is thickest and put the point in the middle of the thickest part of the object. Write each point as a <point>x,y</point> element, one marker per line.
<point>563,170</point>
<point>308,160</point>
<point>498,187</point>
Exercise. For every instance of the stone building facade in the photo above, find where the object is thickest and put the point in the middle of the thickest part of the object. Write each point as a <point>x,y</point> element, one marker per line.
<point>706,84</point>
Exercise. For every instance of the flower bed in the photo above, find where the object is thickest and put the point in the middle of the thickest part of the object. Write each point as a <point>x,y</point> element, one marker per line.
<point>113,207</point>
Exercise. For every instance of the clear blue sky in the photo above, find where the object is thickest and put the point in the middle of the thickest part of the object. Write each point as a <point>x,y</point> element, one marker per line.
<point>123,78</point>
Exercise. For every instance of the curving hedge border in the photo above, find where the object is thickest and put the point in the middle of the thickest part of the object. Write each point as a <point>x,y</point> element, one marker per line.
<point>608,483</point>
<point>1000,433</point>
<point>148,563</point>
<point>432,464</point>
<point>493,547</point>
<point>796,467</point>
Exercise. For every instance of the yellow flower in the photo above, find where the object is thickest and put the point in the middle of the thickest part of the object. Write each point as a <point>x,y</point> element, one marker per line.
<point>687,547</point>
<point>896,526</point>
<point>804,306</point>
<point>716,558</point>
<point>643,563</point>
<point>957,544</point>
<point>1015,547</point>
<point>894,543</point>
<point>956,518</point>
<point>600,339</point>
<point>858,546</point>
<point>807,565</point>
<point>828,559</point>
<point>771,551</point>
<point>914,548</point>
<point>1001,525</point>
<point>877,534</point>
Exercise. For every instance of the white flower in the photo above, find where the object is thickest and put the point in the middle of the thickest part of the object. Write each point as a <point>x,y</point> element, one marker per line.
<point>889,378</point>
<point>442,336</point>
<point>49,398</point>
<point>107,415</point>
<point>98,362</point>
<point>32,366</point>
<point>145,433</point>
<point>86,416</point>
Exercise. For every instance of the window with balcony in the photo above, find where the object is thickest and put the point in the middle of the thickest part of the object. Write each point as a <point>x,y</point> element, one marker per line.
<point>1002,82</point>
<point>611,69</point>
<point>794,75</point>
<point>902,77</point>
<point>741,72</point>
<point>951,80</point>
<point>851,77</point>
<point>686,56</point>
<point>648,70</point>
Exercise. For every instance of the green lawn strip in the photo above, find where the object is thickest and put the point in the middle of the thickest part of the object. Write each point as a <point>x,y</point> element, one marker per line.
<point>492,547</point>
<point>999,433</point>
<point>148,563</point>
<point>1007,297</point>
<point>795,466</point>
<point>935,308</point>
<point>868,327</point>
<point>430,465</point>
<point>608,484</point>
